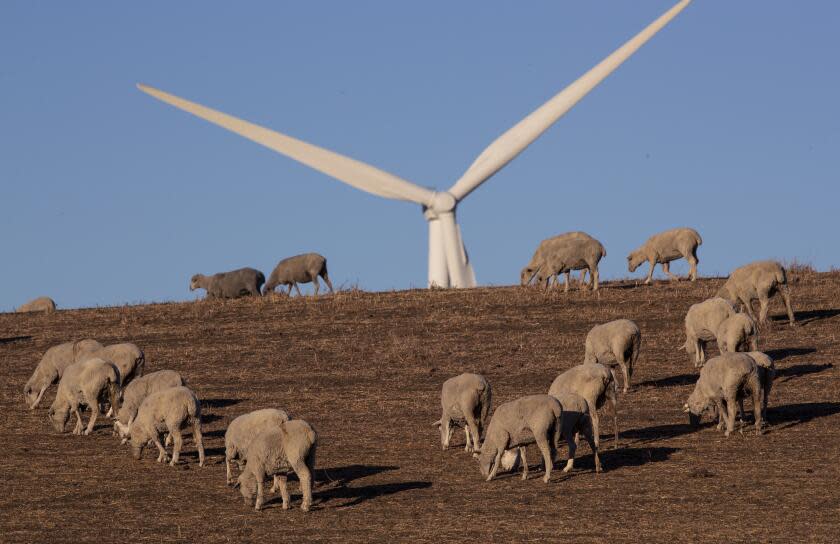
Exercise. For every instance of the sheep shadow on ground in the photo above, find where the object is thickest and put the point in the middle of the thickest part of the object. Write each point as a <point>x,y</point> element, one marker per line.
<point>361,494</point>
<point>791,415</point>
<point>219,403</point>
<point>808,316</point>
<point>804,369</point>
<point>782,354</point>
<point>671,381</point>
<point>12,339</point>
<point>341,476</point>
<point>214,434</point>
<point>636,457</point>
<point>644,435</point>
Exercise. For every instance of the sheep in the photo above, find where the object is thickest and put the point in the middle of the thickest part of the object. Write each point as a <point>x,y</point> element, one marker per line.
<point>527,274</point>
<point>702,322</point>
<point>170,410</point>
<point>84,384</point>
<point>515,424</point>
<point>136,392</point>
<point>233,284</point>
<point>574,420</point>
<point>759,280</point>
<point>619,341</point>
<point>52,365</point>
<point>242,431</point>
<point>665,247</point>
<point>40,304</point>
<point>594,382</point>
<point>723,380</point>
<point>574,254</point>
<point>274,452</point>
<point>303,268</point>
<point>465,401</point>
<point>766,368</point>
<point>736,333</point>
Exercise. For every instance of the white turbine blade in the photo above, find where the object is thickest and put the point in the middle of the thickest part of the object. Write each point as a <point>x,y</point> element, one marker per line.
<point>438,272</point>
<point>358,174</point>
<point>511,143</point>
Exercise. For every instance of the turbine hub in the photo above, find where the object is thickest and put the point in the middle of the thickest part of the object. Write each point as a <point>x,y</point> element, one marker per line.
<point>443,202</point>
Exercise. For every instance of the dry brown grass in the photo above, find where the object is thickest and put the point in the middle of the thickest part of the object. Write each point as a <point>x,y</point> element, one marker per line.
<point>365,369</point>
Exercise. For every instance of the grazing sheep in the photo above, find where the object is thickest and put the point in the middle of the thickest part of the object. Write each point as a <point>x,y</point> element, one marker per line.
<point>619,341</point>
<point>242,431</point>
<point>52,365</point>
<point>527,274</point>
<point>665,247</point>
<point>575,420</point>
<point>723,380</point>
<point>170,410</point>
<point>40,304</point>
<point>84,384</point>
<point>299,269</point>
<point>233,284</point>
<point>574,254</point>
<point>465,401</point>
<point>736,333</point>
<point>274,452</point>
<point>136,392</point>
<point>128,358</point>
<point>515,424</point>
<point>702,322</point>
<point>757,281</point>
<point>594,382</point>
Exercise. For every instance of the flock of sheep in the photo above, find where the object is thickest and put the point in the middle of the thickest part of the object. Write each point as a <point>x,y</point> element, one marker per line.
<point>154,408</point>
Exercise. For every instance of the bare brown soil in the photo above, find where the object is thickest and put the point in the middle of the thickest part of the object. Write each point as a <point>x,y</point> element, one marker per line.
<point>366,368</point>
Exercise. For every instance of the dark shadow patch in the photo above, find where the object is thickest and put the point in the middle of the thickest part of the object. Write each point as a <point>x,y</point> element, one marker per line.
<point>784,353</point>
<point>796,414</point>
<point>803,318</point>
<point>660,432</point>
<point>358,495</point>
<point>214,434</point>
<point>219,403</point>
<point>343,475</point>
<point>209,418</point>
<point>671,381</point>
<point>636,457</point>
<point>12,339</point>
<point>804,369</point>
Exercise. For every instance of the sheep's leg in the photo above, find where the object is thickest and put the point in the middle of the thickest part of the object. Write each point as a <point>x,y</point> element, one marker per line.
<point>316,284</point>
<point>593,272</point>
<point>570,460</point>
<point>524,461</point>
<point>548,458</point>
<point>290,290</point>
<point>297,289</point>
<point>764,303</point>
<point>785,292</point>
<point>282,485</point>
<point>445,433</point>
<point>161,450</point>
<point>199,442</point>
<point>730,414</point>
<point>228,471</point>
<point>692,265</point>
<point>260,496</point>
<point>467,440</point>
<point>326,279</point>
<point>593,445</point>
<point>305,478</point>
<point>758,409</point>
<point>78,428</point>
<point>666,267</point>
<point>747,303</point>
<point>650,272</point>
<point>40,396</point>
<point>496,462</point>
<point>720,411</point>
<point>92,421</point>
<point>583,281</point>
<point>472,428</point>
<point>176,447</point>
<point>568,276</point>
<point>623,364</point>
<point>596,423</point>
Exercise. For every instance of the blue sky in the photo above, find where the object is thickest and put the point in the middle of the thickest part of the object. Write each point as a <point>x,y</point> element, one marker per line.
<point>727,121</point>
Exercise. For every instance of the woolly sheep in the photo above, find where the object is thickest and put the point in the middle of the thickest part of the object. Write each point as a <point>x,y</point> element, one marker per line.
<point>527,274</point>
<point>275,452</point>
<point>702,322</point>
<point>723,380</point>
<point>736,333</point>
<point>136,392</point>
<point>665,247</point>
<point>170,410</point>
<point>574,254</point>
<point>84,384</point>
<point>52,365</point>
<point>40,304</point>
<point>128,358</point>
<point>233,284</point>
<point>618,341</point>
<point>594,382</point>
<point>758,281</point>
<point>299,269</point>
<point>574,420</point>
<point>465,401</point>
<point>242,431</point>
<point>515,424</point>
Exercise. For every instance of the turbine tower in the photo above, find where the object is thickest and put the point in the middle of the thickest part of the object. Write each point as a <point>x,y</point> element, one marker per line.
<point>449,264</point>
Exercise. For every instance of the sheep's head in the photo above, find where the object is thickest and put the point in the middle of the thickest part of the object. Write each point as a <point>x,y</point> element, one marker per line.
<point>510,460</point>
<point>526,275</point>
<point>195,282</point>
<point>247,487</point>
<point>138,442</point>
<point>123,430</point>
<point>634,260</point>
<point>696,405</point>
<point>58,416</point>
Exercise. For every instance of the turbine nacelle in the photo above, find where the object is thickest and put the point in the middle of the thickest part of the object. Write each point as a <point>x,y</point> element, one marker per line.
<point>449,264</point>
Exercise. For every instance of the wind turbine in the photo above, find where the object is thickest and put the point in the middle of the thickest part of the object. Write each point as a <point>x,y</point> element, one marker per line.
<point>449,265</point>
